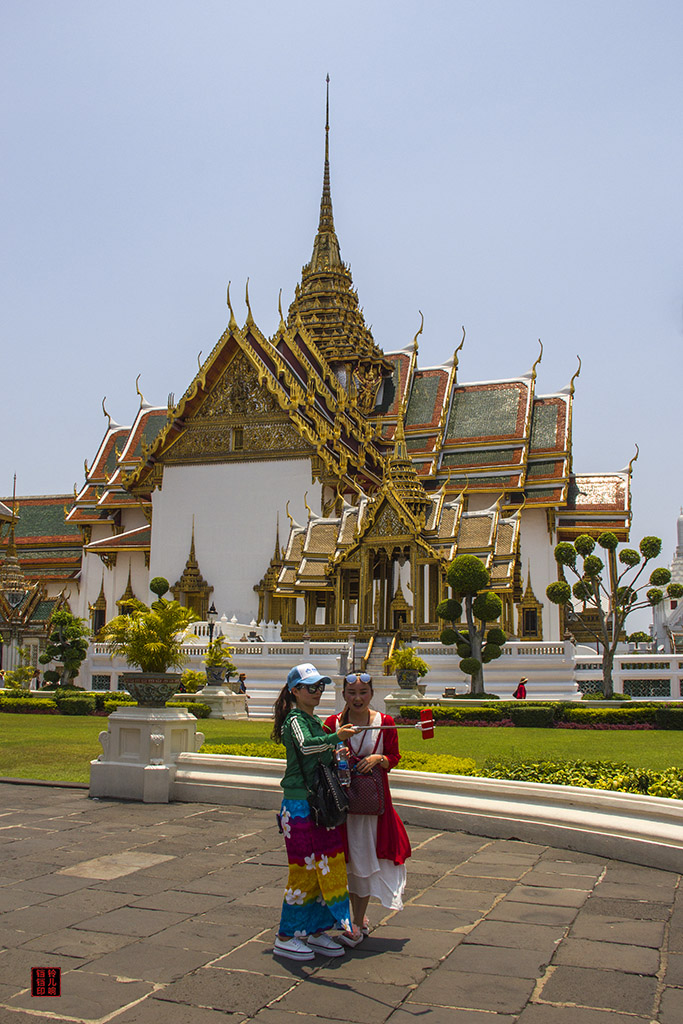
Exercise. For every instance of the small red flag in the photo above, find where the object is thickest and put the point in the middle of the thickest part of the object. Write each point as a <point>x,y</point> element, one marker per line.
<point>427,720</point>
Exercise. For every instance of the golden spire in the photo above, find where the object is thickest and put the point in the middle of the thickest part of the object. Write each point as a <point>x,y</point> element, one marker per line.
<point>326,300</point>
<point>401,477</point>
<point>13,582</point>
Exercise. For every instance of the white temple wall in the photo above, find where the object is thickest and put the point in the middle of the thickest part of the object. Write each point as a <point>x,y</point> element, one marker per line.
<point>92,569</point>
<point>536,554</point>
<point>115,578</point>
<point>235,507</point>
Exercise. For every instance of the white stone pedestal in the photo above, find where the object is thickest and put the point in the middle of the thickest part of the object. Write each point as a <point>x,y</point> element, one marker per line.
<point>139,751</point>
<point>224,703</point>
<point>405,698</point>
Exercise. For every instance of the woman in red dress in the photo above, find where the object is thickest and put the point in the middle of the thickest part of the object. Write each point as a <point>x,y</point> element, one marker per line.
<point>378,845</point>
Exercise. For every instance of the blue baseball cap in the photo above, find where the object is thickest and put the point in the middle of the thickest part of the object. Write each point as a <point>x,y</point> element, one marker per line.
<point>306,674</point>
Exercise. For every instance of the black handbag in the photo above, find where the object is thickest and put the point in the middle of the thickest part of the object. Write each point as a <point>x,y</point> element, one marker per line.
<point>328,800</point>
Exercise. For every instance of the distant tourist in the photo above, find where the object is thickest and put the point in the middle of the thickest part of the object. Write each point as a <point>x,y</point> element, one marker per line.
<point>520,692</point>
<point>242,688</point>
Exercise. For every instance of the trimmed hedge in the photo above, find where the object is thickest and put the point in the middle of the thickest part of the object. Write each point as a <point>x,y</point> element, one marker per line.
<point>668,717</point>
<point>532,716</point>
<point>615,716</point>
<point>115,702</point>
<point>84,704</point>
<point>28,706</point>
<point>551,714</point>
<point>610,775</point>
<point>195,708</point>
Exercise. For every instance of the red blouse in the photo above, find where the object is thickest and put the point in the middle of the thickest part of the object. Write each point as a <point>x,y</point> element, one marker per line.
<point>392,839</point>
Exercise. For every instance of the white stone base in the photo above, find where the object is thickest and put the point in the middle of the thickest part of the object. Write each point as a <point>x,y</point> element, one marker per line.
<point>402,698</point>
<point>224,703</point>
<point>140,750</point>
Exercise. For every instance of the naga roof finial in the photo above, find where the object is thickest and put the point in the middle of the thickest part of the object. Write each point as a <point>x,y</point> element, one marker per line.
<point>422,323</point>
<point>540,356</point>
<point>571,382</point>
<point>232,323</point>
<point>250,319</point>
<point>634,459</point>
<point>459,348</point>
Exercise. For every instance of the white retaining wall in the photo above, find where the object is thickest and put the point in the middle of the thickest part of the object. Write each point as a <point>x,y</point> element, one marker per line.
<point>639,829</point>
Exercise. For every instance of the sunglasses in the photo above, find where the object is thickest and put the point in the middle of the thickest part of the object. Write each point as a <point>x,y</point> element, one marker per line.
<point>363,677</point>
<point>311,687</point>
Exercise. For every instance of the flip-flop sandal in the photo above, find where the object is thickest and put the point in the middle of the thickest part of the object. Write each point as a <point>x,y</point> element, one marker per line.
<point>366,926</point>
<point>351,939</point>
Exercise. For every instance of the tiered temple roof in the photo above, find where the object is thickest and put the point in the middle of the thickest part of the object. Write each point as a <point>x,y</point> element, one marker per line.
<point>48,547</point>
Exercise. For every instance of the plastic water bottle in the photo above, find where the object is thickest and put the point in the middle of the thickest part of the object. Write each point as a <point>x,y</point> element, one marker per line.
<point>343,770</point>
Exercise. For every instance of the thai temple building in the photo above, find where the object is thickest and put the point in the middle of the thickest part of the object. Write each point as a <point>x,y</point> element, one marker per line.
<point>317,482</point>
<point>668,616</point>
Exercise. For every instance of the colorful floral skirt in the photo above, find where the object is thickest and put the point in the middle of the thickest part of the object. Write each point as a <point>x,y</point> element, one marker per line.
<point>316,897</point>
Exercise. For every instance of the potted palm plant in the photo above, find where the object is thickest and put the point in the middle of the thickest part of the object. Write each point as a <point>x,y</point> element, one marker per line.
<point>218,661</point>
<point>407,666</point>
<point>151,638</point>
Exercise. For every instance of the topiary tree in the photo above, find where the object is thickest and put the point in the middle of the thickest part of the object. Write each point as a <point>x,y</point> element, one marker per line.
<point>67,644</point>
<point>468,578</point>
<point>605,589</point>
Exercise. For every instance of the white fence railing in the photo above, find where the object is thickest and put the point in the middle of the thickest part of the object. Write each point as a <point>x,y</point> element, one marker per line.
<point>555,671</point>
<point>640,675</point>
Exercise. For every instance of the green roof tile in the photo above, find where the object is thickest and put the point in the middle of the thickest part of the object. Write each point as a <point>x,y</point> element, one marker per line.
<point>490,412</point>
<point>423,398</point>
<point>544,427</point>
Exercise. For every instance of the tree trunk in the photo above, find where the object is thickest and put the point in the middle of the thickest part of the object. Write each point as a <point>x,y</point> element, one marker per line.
<point>607,663</point>
<point>475,643</point>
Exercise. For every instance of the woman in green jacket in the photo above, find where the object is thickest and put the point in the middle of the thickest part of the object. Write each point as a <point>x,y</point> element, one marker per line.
<point>316,897</point>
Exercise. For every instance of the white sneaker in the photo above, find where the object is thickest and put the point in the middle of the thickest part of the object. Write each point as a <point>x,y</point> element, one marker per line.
<point>324,944</point>
<point>292,949</point>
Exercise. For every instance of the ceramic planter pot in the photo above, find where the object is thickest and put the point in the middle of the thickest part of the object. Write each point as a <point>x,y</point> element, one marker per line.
<point>407,678</point>
<point>151,689</point>
<point>215,675</point>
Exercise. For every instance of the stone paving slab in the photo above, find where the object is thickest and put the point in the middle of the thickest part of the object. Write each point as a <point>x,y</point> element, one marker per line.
<point>417,1013</point>
<point>613,990</point>
<point>462,990</point>
<point>613,956</point>
<point>493,931</point>
<point>542,1014</point>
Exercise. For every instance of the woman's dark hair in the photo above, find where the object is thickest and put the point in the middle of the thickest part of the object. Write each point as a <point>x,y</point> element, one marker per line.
<point>281,708</point>
<point>344,717</point>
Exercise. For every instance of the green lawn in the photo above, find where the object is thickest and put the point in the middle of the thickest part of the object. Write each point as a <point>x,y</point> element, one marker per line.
<point>61,748</point>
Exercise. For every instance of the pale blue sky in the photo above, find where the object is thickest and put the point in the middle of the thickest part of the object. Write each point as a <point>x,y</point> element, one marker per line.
<point>513,167</point>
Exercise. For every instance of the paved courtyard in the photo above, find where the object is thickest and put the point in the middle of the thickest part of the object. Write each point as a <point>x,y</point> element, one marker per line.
<point>165,914</point>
